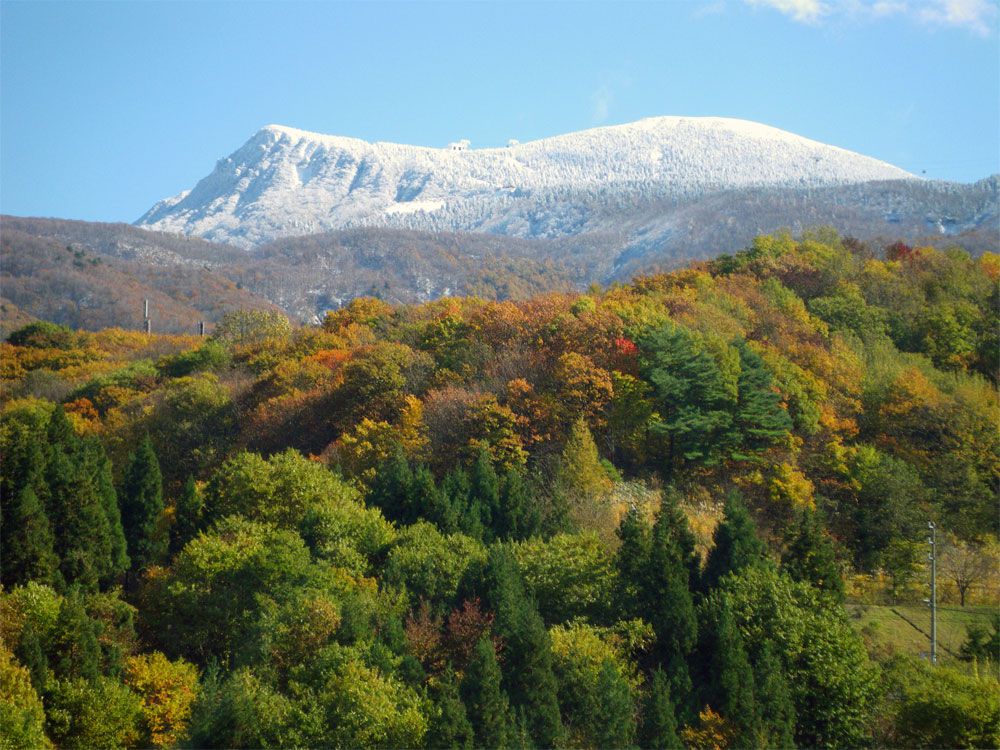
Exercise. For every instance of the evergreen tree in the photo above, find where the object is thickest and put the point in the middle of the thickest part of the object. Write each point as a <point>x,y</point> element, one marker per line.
<point>79,519</point>
<point>142,506</point>
<point>760,417</point>
<point>616,719</point>
<point>519,516</point>
<point>484,493</point>
<point>449,725</point>
<point>32,651</point>
<point>98,467</point>
<point>810,556</point>
<point>693,399</point>
<point>433,503</point>
<point>631,562</point>
<point>485,702</point>
<point>659,725</point>
<point>458,491</point>
<point>671,512</point>
<point>668,606</point>
<point>528,676</point>
<point>727,681</point>
<point>777,710</point>
<point>736,544</point>
<point>187,516</point>
<point>391,488</point>
<point>74,650</point>
<point>27,552</point>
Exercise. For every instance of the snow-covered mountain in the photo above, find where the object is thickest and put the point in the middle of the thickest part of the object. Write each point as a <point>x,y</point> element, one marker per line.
<point>286,182</point>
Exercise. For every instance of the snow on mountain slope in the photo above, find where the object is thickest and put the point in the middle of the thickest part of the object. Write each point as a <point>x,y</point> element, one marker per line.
<point>285,182</point>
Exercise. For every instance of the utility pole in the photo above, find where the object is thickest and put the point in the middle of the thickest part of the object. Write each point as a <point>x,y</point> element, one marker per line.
<point>932,541</point>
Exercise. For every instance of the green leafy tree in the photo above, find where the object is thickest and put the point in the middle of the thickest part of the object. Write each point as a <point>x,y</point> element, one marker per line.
<point>392,489</point>
<point>97,713</point>
<point>941,706</point>
<point>22,715</point>
<point>142,507</point>
<point>98,466</point>
<point>834,687</point>
<point>82,507</point>
<point>774,699</point>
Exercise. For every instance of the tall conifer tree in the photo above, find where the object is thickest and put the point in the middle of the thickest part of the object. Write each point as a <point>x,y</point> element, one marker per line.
<point>449,726</point>
<point>485,702</point>
<point>810,556</point>
<point>616,714</point>
<point>736,543</point>
<point>187,516</point>
<point>658,730</point>
<point>142,507</point>
<point>26,546</point>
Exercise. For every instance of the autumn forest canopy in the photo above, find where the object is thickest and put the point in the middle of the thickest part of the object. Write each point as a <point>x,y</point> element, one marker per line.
<point>662,514</point>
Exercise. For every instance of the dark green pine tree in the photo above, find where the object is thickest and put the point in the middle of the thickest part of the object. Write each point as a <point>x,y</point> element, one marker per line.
<point>616,714</point>
<point>429,502</point>
<point>456,489</point>
<point>692,397</point>
<point>670,509</point>
<point>31,650</point>
<point>187,516</point>
<point>727,680</point>
<point>27,552</point>
<point>528,675</point>
<point>485,702</point>
<point>76,509</point>
<point>658,730</point>
<point>74,650</point>
<point>810,556</point>
<point>668,605</point>
<point>484,493</point>
<point>736,544</point>
<point>142,507</point>
<point>98,467</point>
<point>449,725</point>
<point>390,490</point>
<point>777,711</point>
<point>519,515</point>
<point>631,563</point>
<point>761,420</point>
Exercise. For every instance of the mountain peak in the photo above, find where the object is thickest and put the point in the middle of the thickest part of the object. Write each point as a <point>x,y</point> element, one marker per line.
<point>286,181</point>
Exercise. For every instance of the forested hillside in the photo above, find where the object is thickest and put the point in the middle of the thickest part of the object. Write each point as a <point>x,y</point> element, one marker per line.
<point>632,517</point>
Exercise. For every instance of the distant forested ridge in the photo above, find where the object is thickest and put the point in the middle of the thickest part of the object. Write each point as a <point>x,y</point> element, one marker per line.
<point>649,515</point>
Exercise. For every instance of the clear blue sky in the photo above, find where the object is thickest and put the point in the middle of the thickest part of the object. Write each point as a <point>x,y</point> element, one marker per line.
<point>106,108</point>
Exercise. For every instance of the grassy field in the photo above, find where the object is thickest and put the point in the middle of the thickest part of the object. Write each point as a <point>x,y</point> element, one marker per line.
<point>886,629</point>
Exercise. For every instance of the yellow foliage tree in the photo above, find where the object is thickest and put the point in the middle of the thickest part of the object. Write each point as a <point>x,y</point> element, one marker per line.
<point>712,732</point>
<point>167,690</point>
